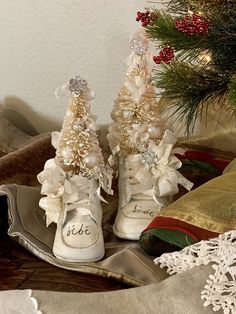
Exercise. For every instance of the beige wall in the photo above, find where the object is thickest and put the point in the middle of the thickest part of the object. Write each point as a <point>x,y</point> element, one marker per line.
<point>43,43</point>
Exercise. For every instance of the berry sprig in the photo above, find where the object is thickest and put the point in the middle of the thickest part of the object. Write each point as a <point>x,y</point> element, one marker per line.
<point>144,17</point>
<point>192,25</point>
<point>165,55</point>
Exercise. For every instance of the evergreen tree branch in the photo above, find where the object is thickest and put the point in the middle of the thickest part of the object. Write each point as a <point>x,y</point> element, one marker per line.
<point>203,6</point>
<point>187,88</point>
<point>222,33</point>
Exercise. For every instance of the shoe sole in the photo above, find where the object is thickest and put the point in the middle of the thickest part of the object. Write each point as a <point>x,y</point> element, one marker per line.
<point>126,236</point>
<point>95,259</point>
<point>64,252</point>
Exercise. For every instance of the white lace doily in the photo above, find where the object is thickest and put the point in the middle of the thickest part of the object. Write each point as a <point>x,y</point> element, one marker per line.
<point>220,288</point>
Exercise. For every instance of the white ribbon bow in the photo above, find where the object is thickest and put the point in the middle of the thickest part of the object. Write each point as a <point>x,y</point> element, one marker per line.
<point>73,191</point>
<point>156,177</point>
<point>138,134</point>
<point>165,170</point>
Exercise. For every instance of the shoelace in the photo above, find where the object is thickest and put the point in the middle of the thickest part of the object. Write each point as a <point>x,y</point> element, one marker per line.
<point>83,191</point>
<point>138,189</point>
<point>82,194</point>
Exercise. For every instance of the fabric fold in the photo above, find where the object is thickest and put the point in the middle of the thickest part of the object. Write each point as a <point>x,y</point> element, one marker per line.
<point>175,295</point>
<point>200,214</point>
<point>27,225</point>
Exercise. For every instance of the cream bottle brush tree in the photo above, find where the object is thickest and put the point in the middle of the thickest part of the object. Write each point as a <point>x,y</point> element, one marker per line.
<point>72,181</point>
<point>135,113</point>
<point>78,149</point>
<point>78,154</point>
<point>138,128</point>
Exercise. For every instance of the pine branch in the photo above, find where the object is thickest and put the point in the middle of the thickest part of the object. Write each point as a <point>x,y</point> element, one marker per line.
<point>163,29</point>
<point>183,6</point>
<point>192,82</point>
<point>232,91</point>
<point>222,33</point>
<point>187,87</point>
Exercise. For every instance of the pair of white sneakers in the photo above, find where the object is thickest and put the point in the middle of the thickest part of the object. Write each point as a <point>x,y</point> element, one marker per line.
<point>73,203</point>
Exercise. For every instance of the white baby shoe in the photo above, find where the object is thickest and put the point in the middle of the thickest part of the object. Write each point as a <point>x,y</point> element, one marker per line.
<point>137,207</point>
<point>72,181</point>
<point>147,183</point>
<point>79,236</point>
<point>72,203</point>
<point>144,145</point>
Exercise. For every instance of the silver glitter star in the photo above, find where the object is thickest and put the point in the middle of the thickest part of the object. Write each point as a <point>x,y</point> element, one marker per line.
<point>77,85</point>
<point>127,114</point>
<point>138,46</point>
<point>148,158</point>
<point>78,125</point>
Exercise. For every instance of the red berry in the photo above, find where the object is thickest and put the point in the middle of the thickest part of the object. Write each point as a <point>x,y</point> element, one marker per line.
<point>157,59</point>
<point>165,55</point>
<point>186,18</point>
<point>192,25</point>
<point>144,17</point>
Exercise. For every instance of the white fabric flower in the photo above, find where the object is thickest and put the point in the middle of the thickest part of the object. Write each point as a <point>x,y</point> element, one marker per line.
<point>164,171</point>
<point>136,87</point>
<point>52,179</point>
<point>138,134</point>
<point>67,192</point>
<point>156,169</point>
<point>113,137</point>
<point>63,193</point>
<point>55,139</point>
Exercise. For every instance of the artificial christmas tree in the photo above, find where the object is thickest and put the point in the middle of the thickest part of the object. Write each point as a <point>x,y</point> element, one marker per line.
<point>135,111</point>
<point>197,57</point>
<point>148,166</point>
<point>72,181</point>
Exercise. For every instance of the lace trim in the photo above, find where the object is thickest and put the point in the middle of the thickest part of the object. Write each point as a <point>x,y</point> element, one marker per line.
<point>220,288</point>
